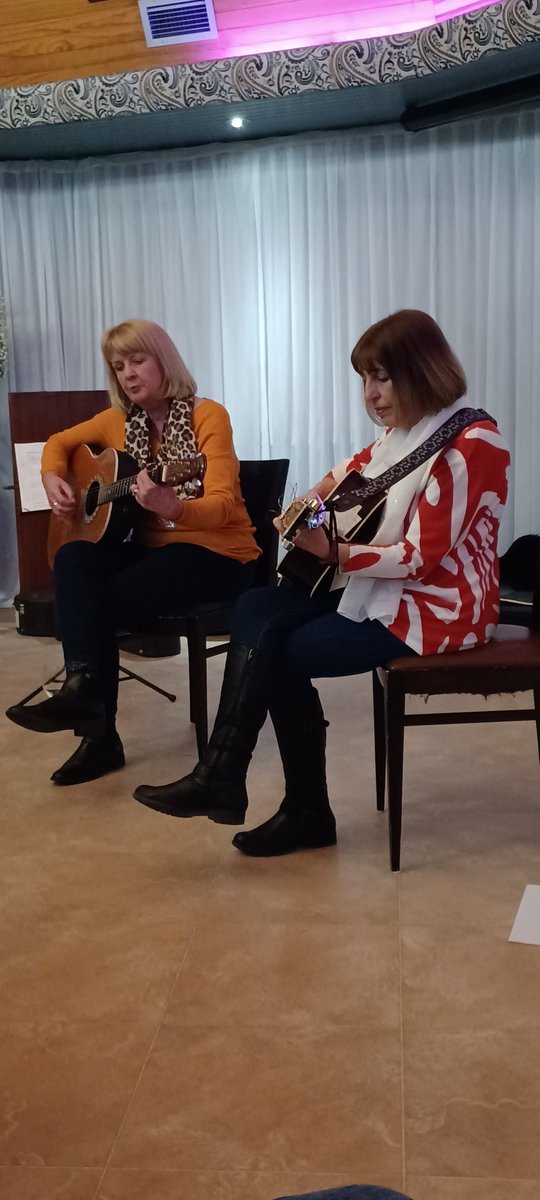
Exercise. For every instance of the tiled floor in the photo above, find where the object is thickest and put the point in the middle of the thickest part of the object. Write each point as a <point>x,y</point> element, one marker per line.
<point>180,1023</point>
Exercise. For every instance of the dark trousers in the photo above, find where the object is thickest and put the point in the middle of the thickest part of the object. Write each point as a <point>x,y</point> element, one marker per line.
<point>101,590</point>
<point>351,1193</point>
<point>306,639</point>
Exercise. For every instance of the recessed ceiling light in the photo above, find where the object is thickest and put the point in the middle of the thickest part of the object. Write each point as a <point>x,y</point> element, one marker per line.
<point>237,122</point>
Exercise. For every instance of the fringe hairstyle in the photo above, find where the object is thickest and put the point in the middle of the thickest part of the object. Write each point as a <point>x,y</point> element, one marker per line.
<point>415,354</point>
<point>136,336</point>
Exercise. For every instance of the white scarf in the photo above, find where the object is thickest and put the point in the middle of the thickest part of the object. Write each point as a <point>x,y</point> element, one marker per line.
<point>377,599</point>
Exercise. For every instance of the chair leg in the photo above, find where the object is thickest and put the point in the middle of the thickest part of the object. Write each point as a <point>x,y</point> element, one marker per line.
<point>395,729</point>
<point>198,695</point>
<point>379,733</point>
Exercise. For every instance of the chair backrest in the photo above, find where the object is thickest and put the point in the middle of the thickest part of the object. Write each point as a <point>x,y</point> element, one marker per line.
<point>518,564</point>
<point>262,483</point>
<point>520,581</point>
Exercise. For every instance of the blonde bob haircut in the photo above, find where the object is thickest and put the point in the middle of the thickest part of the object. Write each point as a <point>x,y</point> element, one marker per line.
<point>144,337</point>
<point>418,360</point>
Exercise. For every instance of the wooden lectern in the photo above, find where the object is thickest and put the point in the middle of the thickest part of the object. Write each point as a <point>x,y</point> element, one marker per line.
<point>33,417</point>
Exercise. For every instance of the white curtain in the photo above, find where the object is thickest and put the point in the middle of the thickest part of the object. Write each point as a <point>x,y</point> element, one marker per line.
<point>8,544</point>
<point>265,262</point>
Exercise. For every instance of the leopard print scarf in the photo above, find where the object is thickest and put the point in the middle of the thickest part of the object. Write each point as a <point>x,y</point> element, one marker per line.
<point>177,440</point>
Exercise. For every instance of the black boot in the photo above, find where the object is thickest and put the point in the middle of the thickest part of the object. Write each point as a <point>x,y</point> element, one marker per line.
<point>216,788</point>
<point>77,706</point>
<point>92,759</point>
<point>304,819</point>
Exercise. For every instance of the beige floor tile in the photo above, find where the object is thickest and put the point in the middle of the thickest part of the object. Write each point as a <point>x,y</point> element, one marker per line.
<point>90,885</point>
<point>477,893</point>
<point>65,1089</point>
<point>470,792</point>
<point>476,981</point>
<point>277,1068</point>
<point>124,825</point>
<point>121,971</point>
<point>321,1099</point>
<point>334,885</point>
<point>470,1106</point>
<point>424,1188</point>
<point>221,1185</point>
<point>47,1183</point>
<point>295,972</point>
<point>79,886</point>
<point>36,815</point>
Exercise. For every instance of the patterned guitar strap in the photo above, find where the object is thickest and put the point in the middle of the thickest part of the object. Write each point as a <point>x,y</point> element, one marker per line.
<point>372,487</point>
<point>442,436</point>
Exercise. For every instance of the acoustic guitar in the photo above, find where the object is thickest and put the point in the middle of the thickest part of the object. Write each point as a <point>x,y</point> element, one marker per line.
<point>357,519</point>
<point>357,504</point>
<point>106,510</point>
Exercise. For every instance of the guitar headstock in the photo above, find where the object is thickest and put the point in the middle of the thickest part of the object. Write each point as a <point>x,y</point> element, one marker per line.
<point>190,468</point>
<point>297,514</point>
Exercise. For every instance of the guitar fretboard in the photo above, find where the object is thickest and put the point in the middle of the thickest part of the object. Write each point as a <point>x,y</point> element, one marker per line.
<point>115,491</point>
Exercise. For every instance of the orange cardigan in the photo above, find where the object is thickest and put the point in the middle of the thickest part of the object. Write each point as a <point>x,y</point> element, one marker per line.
<point>218,521</point>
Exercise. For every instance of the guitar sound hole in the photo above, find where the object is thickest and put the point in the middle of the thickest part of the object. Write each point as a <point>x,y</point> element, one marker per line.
<point>91,501</point>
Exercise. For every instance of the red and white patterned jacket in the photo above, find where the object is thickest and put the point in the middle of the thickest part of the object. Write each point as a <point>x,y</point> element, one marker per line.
<point>448,555</point>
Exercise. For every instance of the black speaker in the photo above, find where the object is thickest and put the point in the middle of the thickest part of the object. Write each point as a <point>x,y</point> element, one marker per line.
<point>34,614</point>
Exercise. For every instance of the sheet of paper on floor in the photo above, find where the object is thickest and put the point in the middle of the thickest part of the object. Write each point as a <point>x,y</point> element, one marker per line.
<point>526,927</point>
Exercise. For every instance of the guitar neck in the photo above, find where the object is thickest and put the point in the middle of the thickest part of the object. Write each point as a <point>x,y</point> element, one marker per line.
<point>115,491</point>
<point>187,470</point>
<point>122,487</point>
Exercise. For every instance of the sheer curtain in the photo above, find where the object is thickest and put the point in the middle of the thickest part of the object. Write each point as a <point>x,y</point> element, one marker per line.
<point>266,261</point>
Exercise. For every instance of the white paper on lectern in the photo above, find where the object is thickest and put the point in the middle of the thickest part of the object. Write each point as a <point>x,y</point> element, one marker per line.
<point>526,927</point>
<point>28,459</point>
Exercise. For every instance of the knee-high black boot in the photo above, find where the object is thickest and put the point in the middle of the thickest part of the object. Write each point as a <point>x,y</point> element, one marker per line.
<point>216,788</point>
<point>304,819</point>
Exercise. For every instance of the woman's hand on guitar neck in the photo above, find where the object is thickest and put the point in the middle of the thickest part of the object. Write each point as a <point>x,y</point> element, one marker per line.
<point>161,500</point>
<point>60,495</point>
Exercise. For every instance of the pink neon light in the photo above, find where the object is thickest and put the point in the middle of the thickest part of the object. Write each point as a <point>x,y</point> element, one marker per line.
<point>293,24</point>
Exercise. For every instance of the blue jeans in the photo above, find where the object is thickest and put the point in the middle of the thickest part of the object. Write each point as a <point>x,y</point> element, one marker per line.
<point>308,638</point>
<point>351,1193</point>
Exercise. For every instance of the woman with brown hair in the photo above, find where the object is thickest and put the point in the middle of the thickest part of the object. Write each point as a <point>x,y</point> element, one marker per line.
<point>190,543</point>
<point>426,583</point>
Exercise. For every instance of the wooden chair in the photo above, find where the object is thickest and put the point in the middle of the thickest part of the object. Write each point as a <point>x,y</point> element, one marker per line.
<point>509,663</point>
<point>262,484</point>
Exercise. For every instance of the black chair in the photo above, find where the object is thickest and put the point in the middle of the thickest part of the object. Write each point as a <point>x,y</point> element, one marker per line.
<point>262,484</point>
<point>517,567</point>
<point>509,663</point>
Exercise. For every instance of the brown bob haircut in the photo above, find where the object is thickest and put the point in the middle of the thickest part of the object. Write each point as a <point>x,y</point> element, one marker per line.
<point>145,337</point>
<point>415,354</point>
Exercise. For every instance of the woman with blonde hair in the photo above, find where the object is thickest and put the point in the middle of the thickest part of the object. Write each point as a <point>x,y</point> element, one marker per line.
<point>425,582</point>
<point>190,543</point>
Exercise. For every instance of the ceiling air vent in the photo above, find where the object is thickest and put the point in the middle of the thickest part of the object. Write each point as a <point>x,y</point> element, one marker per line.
<point>173,21</point>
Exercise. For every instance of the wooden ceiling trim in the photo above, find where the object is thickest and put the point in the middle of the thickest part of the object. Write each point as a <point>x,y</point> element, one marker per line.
<point>75,39</point>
